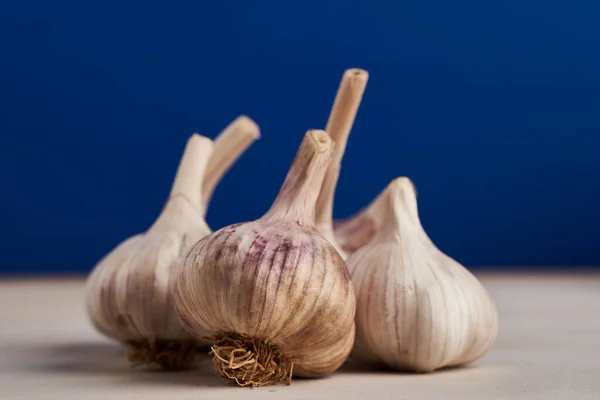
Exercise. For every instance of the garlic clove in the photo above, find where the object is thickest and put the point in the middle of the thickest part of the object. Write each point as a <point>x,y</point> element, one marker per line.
<point>339,125</point>
<point>128,294</point>
<point>273,295</point>
<point>417,308</point>
<point>100,297</point>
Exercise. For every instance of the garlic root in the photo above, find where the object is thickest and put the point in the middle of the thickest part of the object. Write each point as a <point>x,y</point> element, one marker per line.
<point>339,125</point>
<point>171,355</point>
<point>250,361</point>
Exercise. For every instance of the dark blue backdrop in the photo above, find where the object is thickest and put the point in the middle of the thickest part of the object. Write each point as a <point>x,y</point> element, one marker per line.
<point>493,109</point>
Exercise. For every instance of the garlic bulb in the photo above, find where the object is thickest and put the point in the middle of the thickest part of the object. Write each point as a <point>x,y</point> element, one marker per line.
<point>273,295</point>
<point>339,125</point>
<point>417,309</point>
<point>128,293</point>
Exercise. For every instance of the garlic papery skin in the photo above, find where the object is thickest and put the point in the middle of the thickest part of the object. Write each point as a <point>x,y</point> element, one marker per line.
<point>354,232</point>
<point>128,294</point>
<point>273,295</point>
<point>340,122</point>
<point>417,309</point>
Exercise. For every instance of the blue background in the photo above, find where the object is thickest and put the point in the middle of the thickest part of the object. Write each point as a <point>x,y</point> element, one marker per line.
<point>492,108</point>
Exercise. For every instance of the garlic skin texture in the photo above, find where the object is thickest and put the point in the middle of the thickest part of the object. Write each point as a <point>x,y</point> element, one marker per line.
<point>354,232</point>
<point>272,289</point>
<point>417,309</point>
<point>128,294</point>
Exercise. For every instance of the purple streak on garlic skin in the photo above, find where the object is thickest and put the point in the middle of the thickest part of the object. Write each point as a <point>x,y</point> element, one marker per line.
<point>263,286</point>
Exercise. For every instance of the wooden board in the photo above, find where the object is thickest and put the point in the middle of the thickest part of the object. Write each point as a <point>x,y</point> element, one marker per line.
<point>548,348</point>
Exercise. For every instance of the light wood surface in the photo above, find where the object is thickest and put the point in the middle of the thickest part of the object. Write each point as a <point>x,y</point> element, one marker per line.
<point>548,348</point>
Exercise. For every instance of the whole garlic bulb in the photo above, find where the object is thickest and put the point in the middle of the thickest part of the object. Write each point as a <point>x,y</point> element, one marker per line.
<point>128,291</point>
<point>128,294</point>
<point>273,295</point>
<point>417,309</point>
<point>340,122</point>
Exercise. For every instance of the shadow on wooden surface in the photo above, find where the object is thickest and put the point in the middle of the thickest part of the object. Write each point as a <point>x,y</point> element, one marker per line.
<point>107,360</point>
<point>101,363</point>
<point>356,367</point>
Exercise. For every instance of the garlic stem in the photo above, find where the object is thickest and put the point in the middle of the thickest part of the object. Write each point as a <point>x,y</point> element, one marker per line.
<point>191,170</point>
<point>339,125</point>
<point>228,147</point>
<point>298,195</point>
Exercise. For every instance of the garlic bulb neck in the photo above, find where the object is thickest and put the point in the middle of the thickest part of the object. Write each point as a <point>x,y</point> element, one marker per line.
<point>354,232</point>
<point>299,192</point>
<point>191,170</point>
<point>396,210</point>
<point>393,209</point>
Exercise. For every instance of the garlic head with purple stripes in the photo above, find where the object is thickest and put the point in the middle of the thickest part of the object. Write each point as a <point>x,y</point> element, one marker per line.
<point>273,295</point>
